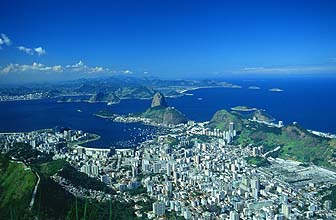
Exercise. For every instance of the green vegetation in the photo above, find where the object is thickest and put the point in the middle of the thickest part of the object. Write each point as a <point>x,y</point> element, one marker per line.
<point>173,142</point>
<point>114,95</point>
<point>261,116</point>
<point>83,180</point>
<point>295,142</point>
<point>222,119</point>
<point>331,195</point>
<point>24,152</point>
<point>17,182</point>
<point>332,143</point>
<point>52,201</point>
<point>257,161</point>
<point>137,92</point>
<point>259,134</point>
<point>56,203</point>
<point>123,87</point>
<point>146,206</point>
<point>16,186</point>
<point>163,115</point>
<point>137,191</point>
<point>50,168</point>
<point>173,216</point>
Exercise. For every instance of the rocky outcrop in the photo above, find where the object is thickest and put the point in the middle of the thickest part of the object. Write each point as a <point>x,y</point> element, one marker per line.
<point>262,116</point>
<point>162,114</point>
<point>167,115</point>
<point>159,101</point>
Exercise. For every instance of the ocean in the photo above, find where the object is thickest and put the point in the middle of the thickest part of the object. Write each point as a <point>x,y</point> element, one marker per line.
<point>32,115</point>
<point>309,101</point>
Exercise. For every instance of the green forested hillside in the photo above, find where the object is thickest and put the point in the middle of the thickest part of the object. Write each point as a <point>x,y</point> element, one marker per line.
<point>222,118</point>
<point>52,202</point>
<point>163,115</point>
<point>16,186</point>
<point>295,142</point>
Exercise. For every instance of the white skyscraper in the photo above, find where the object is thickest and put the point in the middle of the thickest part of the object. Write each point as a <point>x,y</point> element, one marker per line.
<point>255,186</point>
<point>94,170</point>
<point>134,171</point>
<point>286,210</point>
<point>169,186</point>
<point>231,127</point>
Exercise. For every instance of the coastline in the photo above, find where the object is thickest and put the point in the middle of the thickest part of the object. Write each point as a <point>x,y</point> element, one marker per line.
<point>208,87</point>
<point>93,149</point>
<point>131,119</point>
<point>180,91</point>
<point>12,130</point>
<point>103,116</point>
<point>77,143</point>
<point>23,132</point>
<point>243,109</point>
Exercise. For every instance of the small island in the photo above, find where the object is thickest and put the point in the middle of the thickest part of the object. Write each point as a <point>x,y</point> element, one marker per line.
<point>230,85</point>
<point>254,87</point>
<point>275,90</point>
<point>243,109</point>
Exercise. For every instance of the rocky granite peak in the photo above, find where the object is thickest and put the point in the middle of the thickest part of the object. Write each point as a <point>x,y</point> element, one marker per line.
<point>159,101</point>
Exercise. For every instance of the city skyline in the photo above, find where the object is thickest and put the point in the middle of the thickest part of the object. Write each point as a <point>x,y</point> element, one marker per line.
<point>170,109</point>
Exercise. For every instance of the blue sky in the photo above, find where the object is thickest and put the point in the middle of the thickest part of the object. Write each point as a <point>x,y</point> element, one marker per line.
<point>59,39</point>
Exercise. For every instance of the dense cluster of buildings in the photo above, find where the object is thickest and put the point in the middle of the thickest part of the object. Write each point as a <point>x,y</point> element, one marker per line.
<point>30,96</point>
<point>212,180</point>
<point>47,140</point>
<point>224,135</point>
<point>193,172</point>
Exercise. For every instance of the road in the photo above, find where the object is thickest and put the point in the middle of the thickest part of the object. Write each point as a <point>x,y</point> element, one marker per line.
<point>34,192</point>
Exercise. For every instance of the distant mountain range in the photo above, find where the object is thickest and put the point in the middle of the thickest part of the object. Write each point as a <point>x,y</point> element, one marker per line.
<point>111,89</point>
<point>104,97</point>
